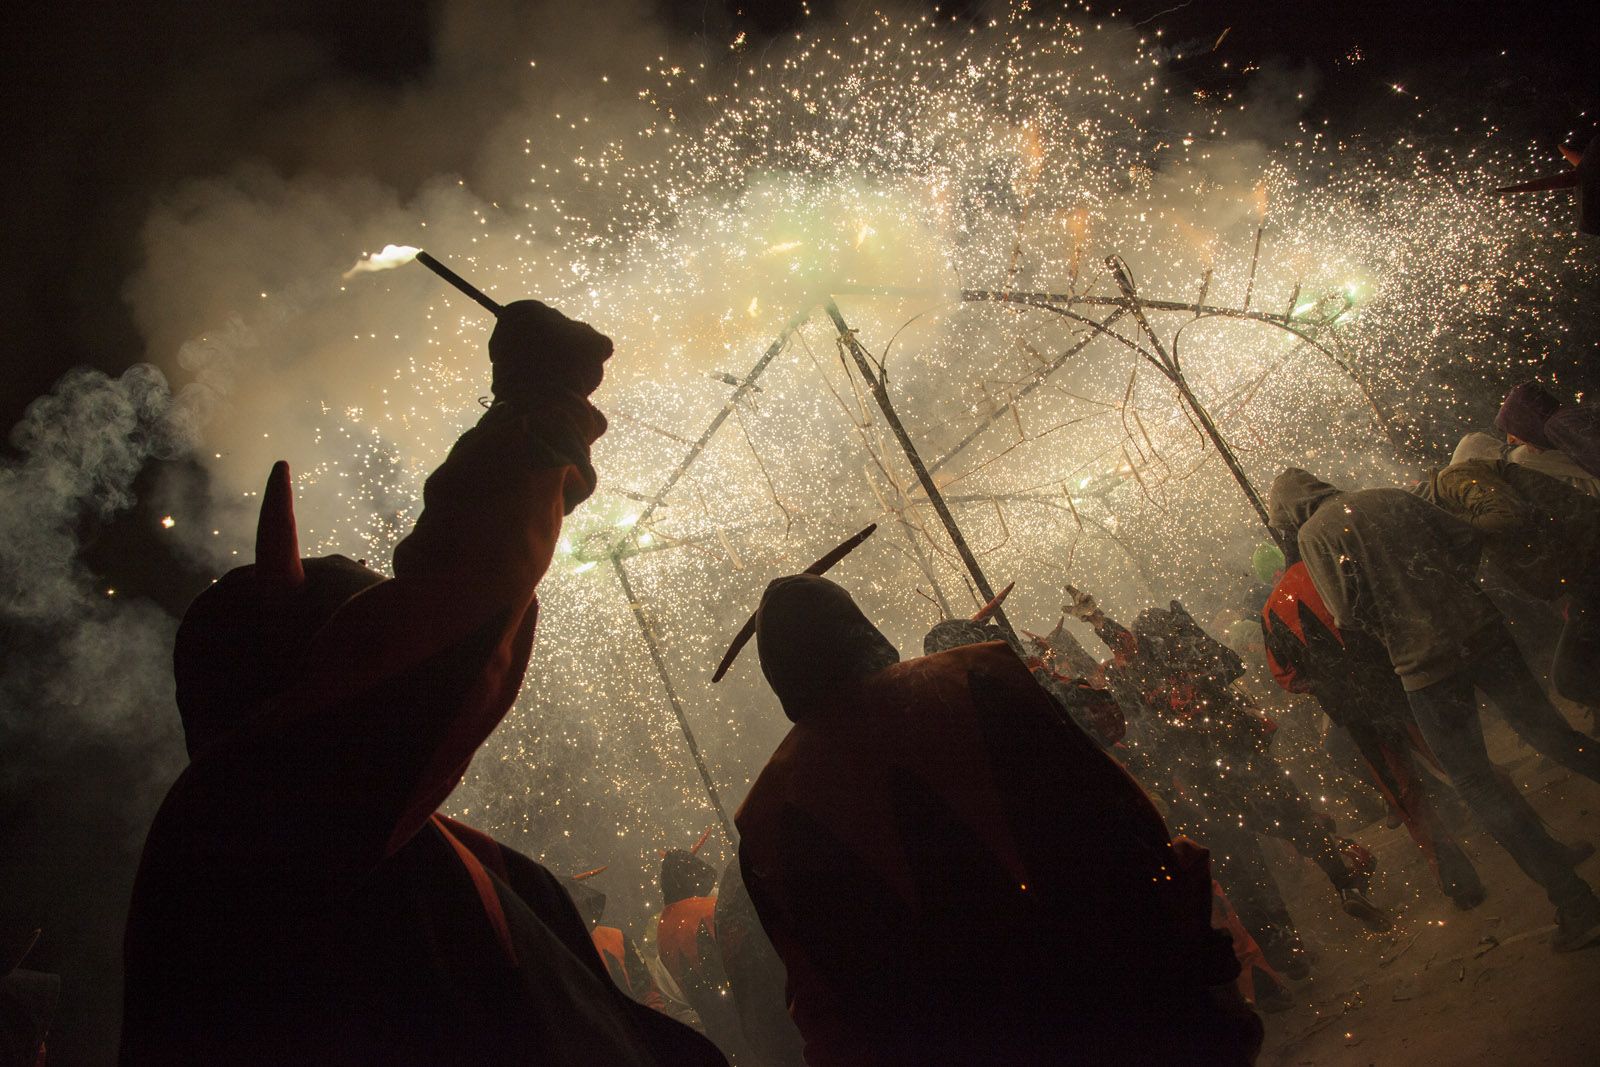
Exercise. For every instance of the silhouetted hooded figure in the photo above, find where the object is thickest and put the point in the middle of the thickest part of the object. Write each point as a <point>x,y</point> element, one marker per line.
<point>954,873</point>
<point>686,940</point>
<point>300,900</point>
<point>812,640</point>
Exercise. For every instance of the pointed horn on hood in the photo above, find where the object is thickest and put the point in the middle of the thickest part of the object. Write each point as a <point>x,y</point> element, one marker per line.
<point>1567,179</point>
<point>590,874</point>
<point>990,608</point>
<point>700,844</point>
<point>821,566</point>
<point>277,542</point>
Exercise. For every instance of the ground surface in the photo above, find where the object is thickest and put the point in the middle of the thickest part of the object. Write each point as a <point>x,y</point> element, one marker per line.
<point>1447,987</point>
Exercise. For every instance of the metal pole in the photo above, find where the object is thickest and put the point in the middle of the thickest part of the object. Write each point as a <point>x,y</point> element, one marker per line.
<point>722,416</point>
<point>1039,378</point>
<point>1174,374</point>
<point>880,393</point>
<point>672,698</point>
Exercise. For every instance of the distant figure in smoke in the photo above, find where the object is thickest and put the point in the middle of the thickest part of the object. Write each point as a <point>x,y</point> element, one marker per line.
<point>622,958</point>
<point>1094,710</point>
<point>1350,677</point>
<point>1542,434</point>
<point>954,873</point>
<point>686,939</point>
<point>1541,536</point>
<point>300,899</point>
<point>755,975</point>
<point>1395,566</point>
<point>1212,749</point>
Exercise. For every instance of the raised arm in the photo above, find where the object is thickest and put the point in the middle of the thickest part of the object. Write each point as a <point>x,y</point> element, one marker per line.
<point>410,676</point>
<point>1117,637</point>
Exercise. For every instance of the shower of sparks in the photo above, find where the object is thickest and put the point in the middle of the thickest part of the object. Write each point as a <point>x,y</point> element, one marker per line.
<point>891,163</point>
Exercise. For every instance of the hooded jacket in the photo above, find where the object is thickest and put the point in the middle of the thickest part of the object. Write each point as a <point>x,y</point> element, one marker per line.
<point>1394,566</point>
<point>299,900</point>
<point>1550,461</point>
<point>954,873</point>
<point>1540,533</point>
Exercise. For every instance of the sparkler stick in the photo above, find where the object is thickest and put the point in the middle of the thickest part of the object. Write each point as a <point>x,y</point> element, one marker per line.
<point>458,281</point>
<point>672,698</point>
<point>821,566</point>
<point>880,393</point>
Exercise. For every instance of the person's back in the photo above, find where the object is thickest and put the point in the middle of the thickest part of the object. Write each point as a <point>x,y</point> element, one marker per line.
<point>953,872</point>
<point>1404,571</point>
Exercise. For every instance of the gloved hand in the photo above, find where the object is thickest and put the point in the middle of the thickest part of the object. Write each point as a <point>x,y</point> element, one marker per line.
<point>1082,605</point>
<point>537,352</point>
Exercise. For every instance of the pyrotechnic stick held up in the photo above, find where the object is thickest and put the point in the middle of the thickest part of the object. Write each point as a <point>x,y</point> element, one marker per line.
<point>458,281</point>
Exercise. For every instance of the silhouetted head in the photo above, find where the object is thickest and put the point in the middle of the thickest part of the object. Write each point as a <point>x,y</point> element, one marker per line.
<point>245,639</point>
<point>1294,497</point>
<point>1524,412</point>
<point>685,875</point>
<point>814,641</point>
<point>590,902</point>
<point>957,633</point>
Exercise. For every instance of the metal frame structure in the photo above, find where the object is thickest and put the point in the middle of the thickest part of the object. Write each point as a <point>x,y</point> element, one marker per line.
<point>1162,355</point>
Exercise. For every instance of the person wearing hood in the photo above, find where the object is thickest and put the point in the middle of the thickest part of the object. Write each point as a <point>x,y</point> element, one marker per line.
<point>624,963</point>
<point>686,941</point>
<point>1534,422</point>
<point>1392,565</point>
<point>1215,747</point>
<point>1541,536</point>
<point>300,899</point>
<point>1350,678</point>
<point>953,872</point>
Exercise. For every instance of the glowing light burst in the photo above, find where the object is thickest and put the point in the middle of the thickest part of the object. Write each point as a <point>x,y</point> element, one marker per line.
<point>892,163</point>
<point>390,257</point>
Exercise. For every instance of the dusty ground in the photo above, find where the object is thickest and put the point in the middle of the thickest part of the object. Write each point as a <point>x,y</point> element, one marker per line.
<point>1447,987</point>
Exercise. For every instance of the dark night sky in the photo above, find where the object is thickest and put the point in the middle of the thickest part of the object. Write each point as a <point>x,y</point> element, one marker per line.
<point>102,118</point>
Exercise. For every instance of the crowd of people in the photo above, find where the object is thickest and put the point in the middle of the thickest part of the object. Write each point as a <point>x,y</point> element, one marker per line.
<point>1005,850</point>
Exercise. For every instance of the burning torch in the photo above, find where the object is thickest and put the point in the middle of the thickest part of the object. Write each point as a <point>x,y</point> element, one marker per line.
<point>395,255</point>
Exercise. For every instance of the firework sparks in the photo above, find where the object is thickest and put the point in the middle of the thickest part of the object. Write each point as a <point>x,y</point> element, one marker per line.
<point>894,163</point>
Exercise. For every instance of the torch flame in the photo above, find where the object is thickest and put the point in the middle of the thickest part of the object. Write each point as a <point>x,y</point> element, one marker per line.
<point>391,257</point>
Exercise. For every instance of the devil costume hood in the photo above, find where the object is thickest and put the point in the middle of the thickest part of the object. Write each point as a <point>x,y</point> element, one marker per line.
<point>953,872</point>
<point>299,898</point>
